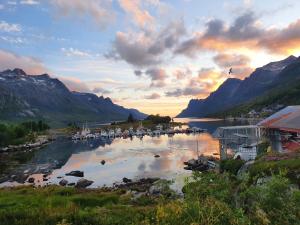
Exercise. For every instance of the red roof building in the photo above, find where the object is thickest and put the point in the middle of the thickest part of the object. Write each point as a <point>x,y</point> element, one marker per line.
<point>283,129</point>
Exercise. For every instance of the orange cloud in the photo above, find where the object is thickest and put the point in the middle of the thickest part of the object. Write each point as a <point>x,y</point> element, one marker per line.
<point>133,7</point>
<point>74,84</point>
<point>32,66</point>
<point>245,33</point>
<point>240,64</point>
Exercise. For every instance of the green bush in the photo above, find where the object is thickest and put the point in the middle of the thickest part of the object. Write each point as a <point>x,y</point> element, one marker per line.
<point>20,133</point>
<point>231,165</point>
<point>157,119</point>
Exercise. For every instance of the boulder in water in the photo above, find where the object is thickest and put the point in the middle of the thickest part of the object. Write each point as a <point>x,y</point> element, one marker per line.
<point>63,182</point>
<point>75,173</point>
<point>31,180</point>
<point>83,183</point>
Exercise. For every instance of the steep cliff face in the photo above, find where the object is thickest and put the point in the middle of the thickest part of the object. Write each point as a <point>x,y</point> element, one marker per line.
<point>234,91</point>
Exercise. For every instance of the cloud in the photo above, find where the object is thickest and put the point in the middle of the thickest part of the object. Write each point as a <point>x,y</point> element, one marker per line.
<point>207,80</point>
<point>153,96</point>
<point>133,8</point>
<point>74,52</point>
<point>32,66</point>
<point>11,2</point>
<point>156,74</point>
<point>182,74</point>
<point>158,83</point>
<point>74,84</point>
<point>230,60</point>
<point>29,2</point>
<point>187,91</point>
<point>100,90</point>
<point>146,48</point>
<point>13,40</point>
<point>138,73</point>
<point>283,40</point>
<point>240,64</point>
<point>98,10</point>
<point>218,36</point>
<point>9,27</point>
<point>245,32</point>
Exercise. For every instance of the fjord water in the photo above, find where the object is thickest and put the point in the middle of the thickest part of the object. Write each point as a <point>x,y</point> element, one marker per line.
<point>131,158</point>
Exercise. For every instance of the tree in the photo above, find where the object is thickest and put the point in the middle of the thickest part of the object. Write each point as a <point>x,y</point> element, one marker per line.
<point>130,118</point>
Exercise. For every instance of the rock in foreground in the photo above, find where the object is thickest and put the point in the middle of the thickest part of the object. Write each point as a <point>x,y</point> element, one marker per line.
<point>63,182</point>
<point>83,183</point>
<point>75,173</point>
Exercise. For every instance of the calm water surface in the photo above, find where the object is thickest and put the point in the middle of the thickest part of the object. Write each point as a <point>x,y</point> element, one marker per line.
<point>131,158</point>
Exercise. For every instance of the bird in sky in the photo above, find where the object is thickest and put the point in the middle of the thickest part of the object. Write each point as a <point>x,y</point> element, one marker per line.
<point>230,71</point>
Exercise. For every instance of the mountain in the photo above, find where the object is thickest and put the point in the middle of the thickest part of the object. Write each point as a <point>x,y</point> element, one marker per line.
<point>284,91</point>
<point>24,97</point>
<point>234,92</point>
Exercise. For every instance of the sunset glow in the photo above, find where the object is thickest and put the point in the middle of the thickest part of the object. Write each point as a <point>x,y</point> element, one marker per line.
<point>153,55</point>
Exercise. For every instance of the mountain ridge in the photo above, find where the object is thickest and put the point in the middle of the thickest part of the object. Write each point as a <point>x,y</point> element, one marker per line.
<point>257,83</point>
<point>24,96</point>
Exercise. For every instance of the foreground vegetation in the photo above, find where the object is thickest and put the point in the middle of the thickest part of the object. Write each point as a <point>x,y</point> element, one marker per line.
<point>209,199</point>
<point>14,134</point>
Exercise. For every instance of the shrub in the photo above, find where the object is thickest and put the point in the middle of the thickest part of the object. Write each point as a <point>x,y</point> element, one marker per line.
<point>231,165</point>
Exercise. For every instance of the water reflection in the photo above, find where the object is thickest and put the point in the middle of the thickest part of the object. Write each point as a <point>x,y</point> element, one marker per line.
<point>132,158</point>
<point>135,158</point>
<point>209,124</point>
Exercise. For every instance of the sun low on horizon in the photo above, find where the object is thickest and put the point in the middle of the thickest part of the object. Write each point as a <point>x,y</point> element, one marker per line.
<point>151,55</point>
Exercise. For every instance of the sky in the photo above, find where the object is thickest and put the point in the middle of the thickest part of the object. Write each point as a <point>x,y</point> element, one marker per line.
<point>152,55</point>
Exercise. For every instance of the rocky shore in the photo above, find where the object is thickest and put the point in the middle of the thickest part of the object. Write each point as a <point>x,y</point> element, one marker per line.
<point>202,163</point>
<point>41,142</point>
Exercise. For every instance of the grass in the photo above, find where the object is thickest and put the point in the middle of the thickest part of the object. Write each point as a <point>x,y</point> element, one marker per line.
<point>274,163</point>
<point>209,199</point>
<point>51,205</point>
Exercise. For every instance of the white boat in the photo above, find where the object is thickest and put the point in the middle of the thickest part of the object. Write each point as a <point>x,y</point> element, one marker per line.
<point>156,133</point>
<point>170,131</point>
<point>125,134</point>
<point>131,131</point>
<point>85,131</point>
<point>111,133</point>
<point>76,136</point>
<point>83,134</point>
<point>149,132</point>
<point>139,133</point>
<point>118,132</point>
<point>103,133</point>
<point>90,136</point>
<point>159,127</point>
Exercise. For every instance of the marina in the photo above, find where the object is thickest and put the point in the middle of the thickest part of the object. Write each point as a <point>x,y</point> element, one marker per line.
<point>109,156</point>
<point>140,132</point>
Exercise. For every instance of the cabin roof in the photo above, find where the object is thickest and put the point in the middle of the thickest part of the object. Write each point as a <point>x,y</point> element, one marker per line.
<point>287,119</point>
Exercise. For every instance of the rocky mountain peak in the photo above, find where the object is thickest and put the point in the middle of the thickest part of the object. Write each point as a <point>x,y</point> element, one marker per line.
<point>18,71</point>
<point>279,65</point>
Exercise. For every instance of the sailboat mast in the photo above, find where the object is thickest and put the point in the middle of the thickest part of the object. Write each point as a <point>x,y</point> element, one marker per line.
<point>197,149</point>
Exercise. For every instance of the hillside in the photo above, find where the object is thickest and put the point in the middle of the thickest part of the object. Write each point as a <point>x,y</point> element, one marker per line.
<point>24,97</point>
<point>285,91</point>
<point>234,92</point>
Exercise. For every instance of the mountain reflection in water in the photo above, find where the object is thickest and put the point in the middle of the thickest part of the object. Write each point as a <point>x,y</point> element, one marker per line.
<point>131,158</point>
<point>135,158</point>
